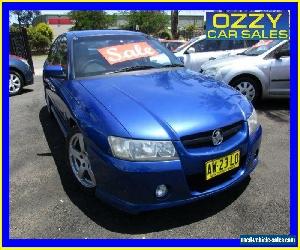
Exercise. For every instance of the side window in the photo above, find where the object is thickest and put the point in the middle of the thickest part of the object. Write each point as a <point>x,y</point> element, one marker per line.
<point>238,44</point>
<point>63,51</point>
<point>250,43</point>
<point>206,45</point>
<point>200,46</point>
<point>225,44</point>
<point>60,55</point>
<point>285,47</point>
<point>52,52</point>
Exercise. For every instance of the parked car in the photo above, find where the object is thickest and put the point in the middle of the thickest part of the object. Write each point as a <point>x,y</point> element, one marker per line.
<point>20,74</point>
<point>172,44</point>
<point>200,50</point>
<point>260,72</point>
<point>141,130</point>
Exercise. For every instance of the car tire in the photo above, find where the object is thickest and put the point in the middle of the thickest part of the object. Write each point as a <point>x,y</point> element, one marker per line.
<point>16,82</point>
<point>249,87</point>
<point>78,164</point>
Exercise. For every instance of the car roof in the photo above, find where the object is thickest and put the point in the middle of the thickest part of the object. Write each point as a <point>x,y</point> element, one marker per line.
<point>84,33</point>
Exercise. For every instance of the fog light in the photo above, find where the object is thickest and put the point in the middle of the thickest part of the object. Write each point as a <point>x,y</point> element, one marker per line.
<point>161,191</point>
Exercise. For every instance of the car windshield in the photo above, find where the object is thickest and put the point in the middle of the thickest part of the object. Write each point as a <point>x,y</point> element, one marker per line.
<point>109,54</point>
<point>260,48</point>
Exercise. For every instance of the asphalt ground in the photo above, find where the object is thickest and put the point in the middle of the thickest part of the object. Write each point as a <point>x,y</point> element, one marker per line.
<point>44,205</point>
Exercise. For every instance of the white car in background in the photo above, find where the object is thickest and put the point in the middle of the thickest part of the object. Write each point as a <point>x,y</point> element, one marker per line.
<point>259,72</point>
<point>200,50</point>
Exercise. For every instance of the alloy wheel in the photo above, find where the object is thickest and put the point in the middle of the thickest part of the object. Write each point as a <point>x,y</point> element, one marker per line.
<point>80,162</point>
<point>14,83</point>
<point>247,89</point>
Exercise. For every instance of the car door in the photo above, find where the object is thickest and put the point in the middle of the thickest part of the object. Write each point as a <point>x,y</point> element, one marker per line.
<point>280,72</point>
<point>204,50</point>
<point>55,90</point>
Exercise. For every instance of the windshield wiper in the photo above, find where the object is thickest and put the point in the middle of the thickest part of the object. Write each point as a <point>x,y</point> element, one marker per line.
<point>172,65</point>
<point>133,68</point>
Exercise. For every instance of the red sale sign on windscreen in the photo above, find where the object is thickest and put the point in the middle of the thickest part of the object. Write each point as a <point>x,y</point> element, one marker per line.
<point>126,52</point>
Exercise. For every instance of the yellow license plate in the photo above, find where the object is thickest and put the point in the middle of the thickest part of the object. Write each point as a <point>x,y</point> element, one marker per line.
<point>222,165</point>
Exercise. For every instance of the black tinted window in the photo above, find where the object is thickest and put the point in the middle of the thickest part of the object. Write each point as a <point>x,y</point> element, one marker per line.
<point>285,47</point>
<point>250,43</point>
<point>225,45</point>
<point>206,45</point>
<point>238,44</point>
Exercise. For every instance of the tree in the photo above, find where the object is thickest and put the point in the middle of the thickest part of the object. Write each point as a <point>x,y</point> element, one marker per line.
<point>148,21</point>
<point>25,17</point>
<point>40,37</point>
<point>174,24</point>
<point>86,20</point>
<point>190,30</point>
<point>45,30</point>
<point>14,27</point>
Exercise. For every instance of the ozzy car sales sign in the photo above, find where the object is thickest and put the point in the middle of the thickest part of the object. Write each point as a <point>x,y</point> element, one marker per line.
<point>247,25</point>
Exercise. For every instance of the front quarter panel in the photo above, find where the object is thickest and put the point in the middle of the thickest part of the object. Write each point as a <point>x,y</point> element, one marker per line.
<point>93,119</point>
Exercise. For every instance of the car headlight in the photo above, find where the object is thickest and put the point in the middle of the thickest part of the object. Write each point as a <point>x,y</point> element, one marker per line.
<point>253,123</point>
<point>212,72</point>
<point>142,150</point>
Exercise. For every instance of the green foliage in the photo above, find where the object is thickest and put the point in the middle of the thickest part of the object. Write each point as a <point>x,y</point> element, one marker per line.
<point>40,37</point>
<point>87,20</point>
<point>45,30</point>
<point>14,28</point>
<point>149,21</point>
<point>25,17</point>
<point>165,34</point>
<point>190,30</point>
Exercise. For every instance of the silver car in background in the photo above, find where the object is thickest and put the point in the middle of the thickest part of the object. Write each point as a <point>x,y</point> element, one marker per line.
<point>199,50</point>
<point>261,71</point>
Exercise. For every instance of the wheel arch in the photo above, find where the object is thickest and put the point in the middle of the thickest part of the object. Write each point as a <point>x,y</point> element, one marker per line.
<point>19,72</point>
<point>250,76</point>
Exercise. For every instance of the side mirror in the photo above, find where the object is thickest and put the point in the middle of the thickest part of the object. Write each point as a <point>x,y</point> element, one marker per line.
<point>54,71</point>
<point>282,53</point>
<point>190,50</point>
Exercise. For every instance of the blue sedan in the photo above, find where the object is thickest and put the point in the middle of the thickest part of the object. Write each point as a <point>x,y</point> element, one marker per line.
<point>20,74</point>
<point>143,132</point>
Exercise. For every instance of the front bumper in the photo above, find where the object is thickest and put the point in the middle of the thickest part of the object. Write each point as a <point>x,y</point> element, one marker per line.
<point>130,186</point>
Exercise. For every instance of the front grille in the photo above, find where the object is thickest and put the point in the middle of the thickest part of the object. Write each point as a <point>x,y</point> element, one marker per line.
<point>198,182</point>
<point>204,139</point>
